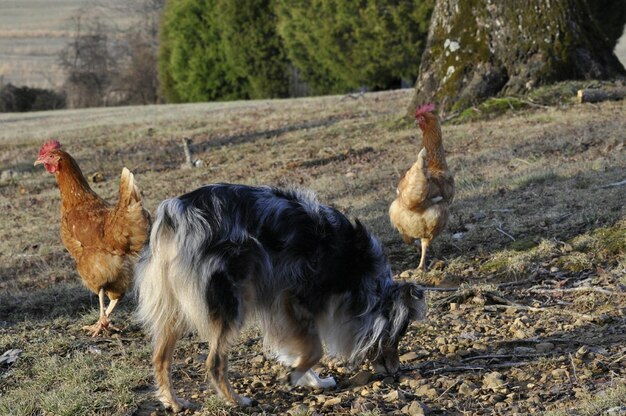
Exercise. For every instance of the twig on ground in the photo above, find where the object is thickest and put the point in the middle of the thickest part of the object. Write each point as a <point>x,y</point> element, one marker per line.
<point>541,289</point>
<point>353,96</point>
<point>448,389</point>
<point>533,309</point>
<point>571,360</point>
<point>499,356</point>
<point>617,360</point>
<point>533,104</point>
<point>477,368</point>
<point>505,233</point>
<point>614,184</point>
<point>439,289</point>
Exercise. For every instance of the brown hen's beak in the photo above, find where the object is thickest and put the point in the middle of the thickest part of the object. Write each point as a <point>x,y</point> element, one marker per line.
<point>38,162</point>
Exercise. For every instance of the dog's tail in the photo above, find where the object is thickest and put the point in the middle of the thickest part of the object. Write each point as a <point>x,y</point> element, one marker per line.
<point>168,293</point>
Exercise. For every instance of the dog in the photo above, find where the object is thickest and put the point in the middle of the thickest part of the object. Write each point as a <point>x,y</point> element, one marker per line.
<point>224,254</point>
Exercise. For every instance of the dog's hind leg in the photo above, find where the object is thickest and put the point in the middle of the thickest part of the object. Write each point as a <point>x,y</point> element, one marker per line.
<point>217,365</point>
<point>162,361</point>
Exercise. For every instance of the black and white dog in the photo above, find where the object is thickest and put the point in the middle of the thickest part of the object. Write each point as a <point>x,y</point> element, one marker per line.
<point>225,253</point>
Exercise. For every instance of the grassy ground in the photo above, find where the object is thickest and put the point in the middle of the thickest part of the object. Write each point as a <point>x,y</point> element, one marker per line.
<point>536,243</point>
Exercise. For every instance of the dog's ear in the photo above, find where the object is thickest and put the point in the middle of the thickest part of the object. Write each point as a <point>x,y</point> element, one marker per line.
<point>413,298</point>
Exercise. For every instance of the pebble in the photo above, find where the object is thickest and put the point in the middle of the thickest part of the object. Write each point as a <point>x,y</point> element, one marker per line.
<point>524,350</point>
<point>544,347</point>
<point>394,396</point>
<point>298,409</point>
<point>361,405</point>
<point>466,388</point>
<point>361,378</point>
<point>332,402</point>
<point>416,408</point>
<point>257,360</point>
<point>440,341</point>
<point>408,357</point>
<point>494,381</point>
<point>560,374</point>
<point>582,351</point>
<point>97,177</point>
<point>426,391</point>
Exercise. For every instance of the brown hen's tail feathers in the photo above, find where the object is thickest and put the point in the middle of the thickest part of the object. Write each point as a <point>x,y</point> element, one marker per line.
<point>129,192</point>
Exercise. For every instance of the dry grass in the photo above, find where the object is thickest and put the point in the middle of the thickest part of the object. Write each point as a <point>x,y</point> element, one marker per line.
<point>537,175</point>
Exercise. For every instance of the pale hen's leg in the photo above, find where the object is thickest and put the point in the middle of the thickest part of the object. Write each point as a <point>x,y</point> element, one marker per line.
<point>425,244</point>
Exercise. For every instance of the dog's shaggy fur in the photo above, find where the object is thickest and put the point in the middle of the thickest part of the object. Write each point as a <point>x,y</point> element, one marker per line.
<point>225,253</point>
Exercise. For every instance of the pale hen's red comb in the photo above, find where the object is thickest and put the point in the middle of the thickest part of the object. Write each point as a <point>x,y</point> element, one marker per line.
<point>426,108</point>
<point>49,146</point>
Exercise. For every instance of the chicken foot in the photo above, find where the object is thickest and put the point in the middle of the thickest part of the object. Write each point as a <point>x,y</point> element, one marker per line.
<point>425,244</point>
<point>103,323</point>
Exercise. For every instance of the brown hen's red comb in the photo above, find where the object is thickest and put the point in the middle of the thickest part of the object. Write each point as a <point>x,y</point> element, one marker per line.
<point>426,108</point>
<point>49,146</point>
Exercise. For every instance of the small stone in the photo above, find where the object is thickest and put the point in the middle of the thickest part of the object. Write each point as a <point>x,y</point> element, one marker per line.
<point>523,350</point>
<point>454,306</point>
<point>494,381</point>
<point>544,347</point>
<point>519,334</point>
<point>582,351</point>
<point>361,405</point>
<point>97,177</point>
<point>416,408</point>
<point>299,409</point>
<point>615,411</point>
<point>258,359</point>
<point>361,378</point>
<point>8,174</point>
<point>560,374</point>
<point>408,357</point>
<point>365,392</point>
<point>467,388</point>
<point>440,341</point>
<point>332,402</point>
<point>394,396</point>
<point>426,391</point>
<point>554,269</point>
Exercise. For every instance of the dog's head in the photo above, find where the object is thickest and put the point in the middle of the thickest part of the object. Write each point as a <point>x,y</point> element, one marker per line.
<point>404,302</point>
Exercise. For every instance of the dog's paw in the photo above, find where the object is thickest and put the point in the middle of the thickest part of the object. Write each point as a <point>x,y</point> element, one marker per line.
<point>246,402</point>
<point>176,405</point>
<point>311,379</point>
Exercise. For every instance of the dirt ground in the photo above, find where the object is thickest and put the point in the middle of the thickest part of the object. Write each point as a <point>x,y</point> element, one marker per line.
<point>528,310</point>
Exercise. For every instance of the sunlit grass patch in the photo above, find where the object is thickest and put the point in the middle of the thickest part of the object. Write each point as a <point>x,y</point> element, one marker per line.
<point>78,383</point>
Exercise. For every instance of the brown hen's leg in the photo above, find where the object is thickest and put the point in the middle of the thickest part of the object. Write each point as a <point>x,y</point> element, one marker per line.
<point>425,244</point>
<point>103,322</point>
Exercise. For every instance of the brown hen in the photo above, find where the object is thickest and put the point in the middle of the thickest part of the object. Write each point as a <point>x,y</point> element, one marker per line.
<point>103,239</point>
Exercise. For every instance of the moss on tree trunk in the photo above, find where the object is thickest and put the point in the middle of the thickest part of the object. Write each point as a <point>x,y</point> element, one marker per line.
<point>482,48</point>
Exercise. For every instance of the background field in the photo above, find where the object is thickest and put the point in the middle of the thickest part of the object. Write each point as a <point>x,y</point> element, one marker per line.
<point>536,245</point>
<point>32,32</point>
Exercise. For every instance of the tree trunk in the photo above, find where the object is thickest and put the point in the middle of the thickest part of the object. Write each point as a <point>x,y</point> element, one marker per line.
<point>482,48</point>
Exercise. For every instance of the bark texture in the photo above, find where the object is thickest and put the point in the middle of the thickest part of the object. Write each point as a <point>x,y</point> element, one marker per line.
<point>482,48</point>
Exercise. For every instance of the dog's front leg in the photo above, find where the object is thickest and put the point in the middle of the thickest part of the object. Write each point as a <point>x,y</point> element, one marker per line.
<point>310,350</point>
